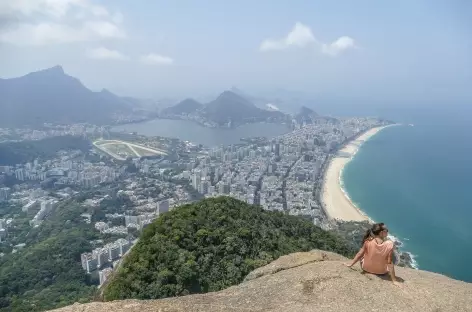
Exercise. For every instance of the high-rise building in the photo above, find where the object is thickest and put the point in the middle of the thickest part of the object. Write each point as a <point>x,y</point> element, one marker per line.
<point>3,234</point>
<point>226,188</point>
<point>4,193</point>
<point>124,245</point>
<point>102,257</point>
<point>226,156</point>
<point>277,149</point>
<point>89,262</point>
<point>221,189</point>
<point>205,184</point>
<point>196,181</point>
<point>211,189</point>
<point>113,252</point>
<point>20,174</point>
<point>104,274</point>
<point>163,206</point>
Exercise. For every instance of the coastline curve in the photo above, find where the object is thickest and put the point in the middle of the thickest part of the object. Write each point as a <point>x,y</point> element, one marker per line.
<point>336,201</point>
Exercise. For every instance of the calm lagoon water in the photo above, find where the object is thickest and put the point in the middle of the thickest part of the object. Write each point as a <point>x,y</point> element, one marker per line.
<point>191,131</point>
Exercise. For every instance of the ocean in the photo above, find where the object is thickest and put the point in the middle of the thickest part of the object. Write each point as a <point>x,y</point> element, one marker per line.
<point>417,179</point>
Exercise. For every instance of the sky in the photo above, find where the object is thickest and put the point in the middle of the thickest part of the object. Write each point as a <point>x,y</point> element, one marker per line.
<point>375,51</point>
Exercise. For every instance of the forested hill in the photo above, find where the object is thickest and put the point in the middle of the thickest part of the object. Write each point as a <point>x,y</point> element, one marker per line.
<point>211,245</point>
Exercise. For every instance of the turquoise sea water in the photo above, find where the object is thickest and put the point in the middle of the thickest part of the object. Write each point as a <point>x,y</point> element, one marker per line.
<point>418,180</point>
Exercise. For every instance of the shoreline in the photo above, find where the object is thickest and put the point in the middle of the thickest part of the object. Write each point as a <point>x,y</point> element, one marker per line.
<point>336,202</point>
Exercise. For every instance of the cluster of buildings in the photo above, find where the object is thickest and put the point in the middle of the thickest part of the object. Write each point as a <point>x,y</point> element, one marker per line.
<point>283,174</point>
<point>105,256</point>
<point>50,130</point>
<point>148,199</point>
<point>69,168</point>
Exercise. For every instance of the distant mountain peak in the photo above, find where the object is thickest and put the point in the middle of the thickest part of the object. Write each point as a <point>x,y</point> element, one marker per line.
<point>306,111</point>
<point>53,70</point>
<point>306,114</point>
<point>106,91</point>
<point>230,106</point>
<point>239,92</point>
<point>227,93</point>
<point>233,98</point>
<point>186,106</point>
<point>50,95</point>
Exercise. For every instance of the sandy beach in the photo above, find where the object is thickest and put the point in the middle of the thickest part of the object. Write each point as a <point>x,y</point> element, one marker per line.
<point>337,204</point>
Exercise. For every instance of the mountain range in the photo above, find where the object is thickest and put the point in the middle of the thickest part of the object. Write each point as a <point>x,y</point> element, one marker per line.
<point>51,95</point>
<point>229,106</point>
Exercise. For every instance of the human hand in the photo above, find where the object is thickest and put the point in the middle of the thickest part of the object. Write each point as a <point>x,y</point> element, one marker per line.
<point>348,264</point>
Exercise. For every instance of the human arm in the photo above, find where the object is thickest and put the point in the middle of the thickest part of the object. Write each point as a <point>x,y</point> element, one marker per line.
<point>358,256</point>
<point>391,267</point>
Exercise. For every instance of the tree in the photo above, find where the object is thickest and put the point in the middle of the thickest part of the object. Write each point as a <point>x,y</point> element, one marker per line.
<point>210,245</point>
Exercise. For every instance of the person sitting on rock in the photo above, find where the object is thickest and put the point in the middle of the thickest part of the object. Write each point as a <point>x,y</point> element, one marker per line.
<point>376,253</point>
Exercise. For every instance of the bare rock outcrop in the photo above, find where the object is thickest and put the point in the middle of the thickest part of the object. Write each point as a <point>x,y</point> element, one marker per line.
<point>312,281</point>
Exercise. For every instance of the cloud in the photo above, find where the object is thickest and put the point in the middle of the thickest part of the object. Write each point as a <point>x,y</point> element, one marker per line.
<point>156,59</point>
<point>299,36</point>
<point>51,8</point>
<point>7,21</point>
<point>103,29</point>
<point>340,45</point>
<point>105,54</point>
<point>43,22</point>
<point>50,33</point>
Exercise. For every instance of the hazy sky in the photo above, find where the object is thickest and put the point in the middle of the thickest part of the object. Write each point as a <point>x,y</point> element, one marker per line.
<point>361,49</point>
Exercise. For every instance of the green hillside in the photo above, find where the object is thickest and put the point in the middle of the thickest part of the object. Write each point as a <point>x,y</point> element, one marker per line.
<point>210,245</point>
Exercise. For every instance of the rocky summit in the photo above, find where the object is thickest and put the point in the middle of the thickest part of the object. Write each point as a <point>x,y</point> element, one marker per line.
<point>312,281</point>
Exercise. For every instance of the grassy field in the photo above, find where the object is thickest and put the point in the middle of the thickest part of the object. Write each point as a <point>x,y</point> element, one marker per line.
<point>121,149</point>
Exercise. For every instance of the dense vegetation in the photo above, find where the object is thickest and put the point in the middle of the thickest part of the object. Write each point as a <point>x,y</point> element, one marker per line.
<point>210,245</point>
<point>12,153</point>
<point>47,273</point>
